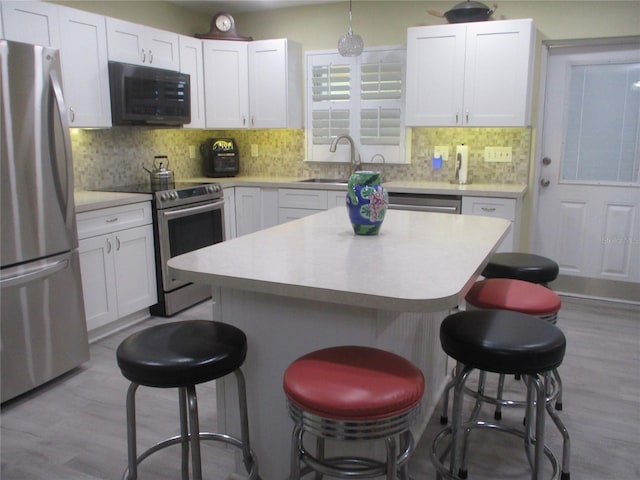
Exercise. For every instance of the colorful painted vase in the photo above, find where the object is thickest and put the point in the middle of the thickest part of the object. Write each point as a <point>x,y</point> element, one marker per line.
<point>367,202</point>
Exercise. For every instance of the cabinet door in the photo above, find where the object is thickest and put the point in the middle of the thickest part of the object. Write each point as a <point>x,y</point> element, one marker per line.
<point>98,280</point>
<point>274,87</point>
<point>498,73</point>
<point>163,49</point>
<point>435,75</point>
<point>83,45</point>
<point>135,269</point>
<point>248,210</point>
<point>191,63</point>
<point>494,207</point>
<point>226,84</point>
<point>31,22</point>
<point>125,42</point>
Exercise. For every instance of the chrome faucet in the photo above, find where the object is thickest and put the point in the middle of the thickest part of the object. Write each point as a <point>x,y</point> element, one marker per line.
<point>334,144</point>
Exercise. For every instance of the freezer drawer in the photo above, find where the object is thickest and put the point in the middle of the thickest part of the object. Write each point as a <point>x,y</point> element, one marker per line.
<point>43,327</point>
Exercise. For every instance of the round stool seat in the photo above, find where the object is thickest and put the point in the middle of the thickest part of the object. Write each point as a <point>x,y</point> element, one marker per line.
<point>521,266</point>
<point>182,353</point>
<point>353,383</point>
<point>503,342</point>
<point>515,295</point>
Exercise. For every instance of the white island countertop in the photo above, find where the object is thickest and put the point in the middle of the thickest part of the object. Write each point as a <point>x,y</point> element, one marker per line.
<point>419,261</point>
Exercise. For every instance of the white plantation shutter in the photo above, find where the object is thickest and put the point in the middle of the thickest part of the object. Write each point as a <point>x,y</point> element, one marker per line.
<point>359,96</point>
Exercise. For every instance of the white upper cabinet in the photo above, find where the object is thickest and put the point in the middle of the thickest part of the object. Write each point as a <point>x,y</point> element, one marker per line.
<point>253,84</point>
<point>226,83</point>
<point>83,43</point>
<point>191,63</point>
<point>141,45</point>
<point>275,83</point>
<point>31,22</point>
<point>473,74</point>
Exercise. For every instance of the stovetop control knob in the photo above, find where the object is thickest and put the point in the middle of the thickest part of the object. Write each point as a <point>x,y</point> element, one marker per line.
<point>164,196</point>
<point>210,188</point>
<point>174,195</point>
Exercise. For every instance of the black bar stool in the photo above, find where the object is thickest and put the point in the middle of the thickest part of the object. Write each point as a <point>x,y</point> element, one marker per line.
<point>506,343</point>
<point>353,393</point>
<point>182,355</point>
<point>522,266</point>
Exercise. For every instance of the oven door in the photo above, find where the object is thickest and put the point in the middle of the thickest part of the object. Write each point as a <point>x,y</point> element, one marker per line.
<point>185,229</point>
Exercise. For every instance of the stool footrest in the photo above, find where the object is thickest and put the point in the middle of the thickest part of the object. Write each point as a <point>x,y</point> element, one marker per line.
<point>252,468</point>
<point>438,460</point>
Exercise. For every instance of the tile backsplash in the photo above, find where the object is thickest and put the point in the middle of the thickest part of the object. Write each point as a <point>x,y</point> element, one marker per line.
<point>116,156</point>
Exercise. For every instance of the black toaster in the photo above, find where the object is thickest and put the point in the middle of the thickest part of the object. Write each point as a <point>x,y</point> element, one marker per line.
<point>220,157</point>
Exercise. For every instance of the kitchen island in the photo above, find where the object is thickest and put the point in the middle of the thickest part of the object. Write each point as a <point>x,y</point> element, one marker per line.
<point>312,283</point>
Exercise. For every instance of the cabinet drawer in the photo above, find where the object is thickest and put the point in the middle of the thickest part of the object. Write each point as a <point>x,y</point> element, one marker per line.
<point>300,198</point>
<point>489,207</point>
<point>107,220</point>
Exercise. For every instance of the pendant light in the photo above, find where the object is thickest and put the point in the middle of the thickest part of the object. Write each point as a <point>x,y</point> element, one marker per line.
<point>350,44</point>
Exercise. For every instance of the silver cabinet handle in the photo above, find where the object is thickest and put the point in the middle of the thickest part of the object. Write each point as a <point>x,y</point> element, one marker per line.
<point>72,114</point>
<point>150,56</point>
<point>108,246</point>
<point>111,220</point>
<point>467,117</point>
<point>457,118</point>
<point>118,243</point>
<point>144,56</point>
<point>488,209</point>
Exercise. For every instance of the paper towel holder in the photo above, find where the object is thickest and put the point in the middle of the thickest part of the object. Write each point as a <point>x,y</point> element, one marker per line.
<point>461,175</point>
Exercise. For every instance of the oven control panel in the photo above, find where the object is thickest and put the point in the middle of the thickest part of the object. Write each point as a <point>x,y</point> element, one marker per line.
<point>185,195</point>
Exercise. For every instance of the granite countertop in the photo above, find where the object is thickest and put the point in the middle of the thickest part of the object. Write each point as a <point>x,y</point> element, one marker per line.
<point>93,200</point>
<point>419,261</point>
<point>420,187</point>
<point>87,201</point>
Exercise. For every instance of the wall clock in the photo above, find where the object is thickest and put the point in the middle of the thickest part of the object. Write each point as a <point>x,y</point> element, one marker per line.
<point>223,27</point>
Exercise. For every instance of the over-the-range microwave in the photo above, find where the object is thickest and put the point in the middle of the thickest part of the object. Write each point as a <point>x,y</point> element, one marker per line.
<point>148,96</point>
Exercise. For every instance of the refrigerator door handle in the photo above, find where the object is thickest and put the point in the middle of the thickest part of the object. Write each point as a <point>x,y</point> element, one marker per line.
<point>67,186</point>
<point>34,274</point>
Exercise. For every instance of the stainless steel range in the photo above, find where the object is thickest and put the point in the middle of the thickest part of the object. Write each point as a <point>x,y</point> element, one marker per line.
<point>186,217</point>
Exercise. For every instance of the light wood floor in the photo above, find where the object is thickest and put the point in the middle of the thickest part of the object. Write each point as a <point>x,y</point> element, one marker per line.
<point>74,427</point>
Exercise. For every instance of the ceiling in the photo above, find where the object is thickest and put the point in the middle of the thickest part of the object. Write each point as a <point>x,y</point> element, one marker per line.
<point>238,6</point>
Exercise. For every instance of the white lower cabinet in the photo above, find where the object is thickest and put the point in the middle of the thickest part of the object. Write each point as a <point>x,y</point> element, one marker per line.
<point>117,262</point>
<point>495,207</point>
<point>256,209</point>
<point>294,203</point>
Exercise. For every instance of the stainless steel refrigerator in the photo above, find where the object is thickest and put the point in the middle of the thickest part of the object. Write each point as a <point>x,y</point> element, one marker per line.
<point>44,331</point>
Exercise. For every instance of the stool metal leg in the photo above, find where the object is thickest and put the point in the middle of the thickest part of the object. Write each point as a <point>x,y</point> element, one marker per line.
<point>296,440</point>
<point>184,432</point>
<point>244,420</point>
<point>498,412</point>
<point>131,432</point>
<point>194,429</point>
<point>392,458</point>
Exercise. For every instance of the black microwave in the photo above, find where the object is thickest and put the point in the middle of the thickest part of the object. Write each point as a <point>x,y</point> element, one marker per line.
<point>148,96</point>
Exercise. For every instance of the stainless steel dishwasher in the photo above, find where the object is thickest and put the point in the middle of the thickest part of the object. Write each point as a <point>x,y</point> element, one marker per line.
<point>424,202</point>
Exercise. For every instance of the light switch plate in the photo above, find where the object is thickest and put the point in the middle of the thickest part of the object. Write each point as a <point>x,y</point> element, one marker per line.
<point>441,151</point>
<point>497,154</point>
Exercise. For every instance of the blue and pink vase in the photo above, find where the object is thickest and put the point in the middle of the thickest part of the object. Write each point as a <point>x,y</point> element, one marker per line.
<point>367,202</point>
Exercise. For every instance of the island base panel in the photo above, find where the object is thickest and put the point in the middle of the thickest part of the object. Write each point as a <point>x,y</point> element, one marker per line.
<point>280,329</point>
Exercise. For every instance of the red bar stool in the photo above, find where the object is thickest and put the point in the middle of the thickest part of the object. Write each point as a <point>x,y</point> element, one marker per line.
<point>352,393</point>
<point>524,297</point>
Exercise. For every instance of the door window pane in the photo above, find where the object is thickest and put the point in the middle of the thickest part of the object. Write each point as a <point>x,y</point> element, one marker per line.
<point>602,124</point>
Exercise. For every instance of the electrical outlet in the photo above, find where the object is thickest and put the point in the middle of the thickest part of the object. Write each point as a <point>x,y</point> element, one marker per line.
<point>441,151</point>
<point>254,149</point>
<point>497,154</point>
<point>192,152</point>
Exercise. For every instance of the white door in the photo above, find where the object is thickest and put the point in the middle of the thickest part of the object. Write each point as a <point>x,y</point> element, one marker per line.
<point>588,191</point>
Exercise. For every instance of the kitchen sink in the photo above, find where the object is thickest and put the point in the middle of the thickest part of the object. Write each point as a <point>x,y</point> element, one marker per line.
<point>324,180</point>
